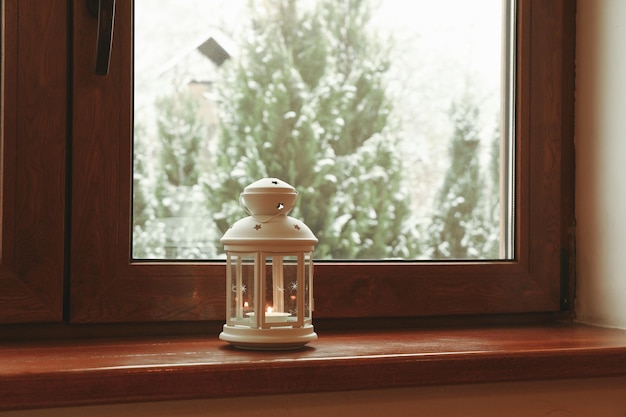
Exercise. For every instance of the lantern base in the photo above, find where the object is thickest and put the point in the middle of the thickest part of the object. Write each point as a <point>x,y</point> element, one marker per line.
<point>275,338</point>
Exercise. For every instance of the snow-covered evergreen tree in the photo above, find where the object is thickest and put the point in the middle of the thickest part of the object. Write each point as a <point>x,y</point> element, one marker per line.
<point>460,227</point>
<point>305,102</point>
<point>180,200</point>
<point>148,237</point>
<point>492,200</point>
<point>181,135</point>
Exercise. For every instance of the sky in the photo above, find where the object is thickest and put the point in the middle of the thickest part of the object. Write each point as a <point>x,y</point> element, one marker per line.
<point>460,27</point>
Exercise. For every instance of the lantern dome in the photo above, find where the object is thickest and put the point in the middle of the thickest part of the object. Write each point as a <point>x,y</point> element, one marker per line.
<point>282,233</point>
<point>268,201</point>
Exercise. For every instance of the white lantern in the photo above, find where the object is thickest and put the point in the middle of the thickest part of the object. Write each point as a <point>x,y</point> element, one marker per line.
<point>269,272</point>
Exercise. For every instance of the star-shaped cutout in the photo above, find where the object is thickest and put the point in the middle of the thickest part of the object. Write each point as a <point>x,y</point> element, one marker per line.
<point>243,288</point>
<point>257,227</point>
<point>295,226</point>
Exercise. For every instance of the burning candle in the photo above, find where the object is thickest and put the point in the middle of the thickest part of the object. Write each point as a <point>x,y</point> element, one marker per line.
<point>272,316</point>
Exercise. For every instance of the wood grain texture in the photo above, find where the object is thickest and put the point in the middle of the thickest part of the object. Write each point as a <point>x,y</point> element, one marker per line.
<point>46,374</point>
<point>34,138</point>
<point>108,287</point>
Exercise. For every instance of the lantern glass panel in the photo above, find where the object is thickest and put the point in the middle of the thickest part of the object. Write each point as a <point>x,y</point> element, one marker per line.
<point>287,289</point>
<point>241,278</point>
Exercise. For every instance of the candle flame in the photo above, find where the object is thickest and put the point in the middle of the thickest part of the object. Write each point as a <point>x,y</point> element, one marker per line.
<point>245,304</point>
<point>270,309</point>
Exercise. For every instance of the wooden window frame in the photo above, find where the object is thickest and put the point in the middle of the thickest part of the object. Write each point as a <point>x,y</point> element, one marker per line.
<point>33,137</point>
<point>106,286</point>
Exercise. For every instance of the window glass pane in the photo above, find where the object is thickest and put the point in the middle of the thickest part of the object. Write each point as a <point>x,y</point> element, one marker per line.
<point>392,119</point>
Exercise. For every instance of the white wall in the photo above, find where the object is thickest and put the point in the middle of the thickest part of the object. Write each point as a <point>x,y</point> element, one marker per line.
<point>601,162</point>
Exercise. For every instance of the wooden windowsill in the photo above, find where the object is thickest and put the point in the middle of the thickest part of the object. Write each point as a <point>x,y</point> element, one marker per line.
<point>80,372</point>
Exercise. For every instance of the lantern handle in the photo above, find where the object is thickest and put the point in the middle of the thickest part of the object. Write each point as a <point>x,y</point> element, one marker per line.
<point>243,205</point>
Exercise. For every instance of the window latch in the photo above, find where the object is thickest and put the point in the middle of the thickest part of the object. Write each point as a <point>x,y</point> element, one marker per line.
<point>104,11</point>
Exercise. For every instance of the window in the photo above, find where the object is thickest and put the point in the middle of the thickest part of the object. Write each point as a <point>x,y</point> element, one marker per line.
<point>389,118</point>
<point>107,286</point>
